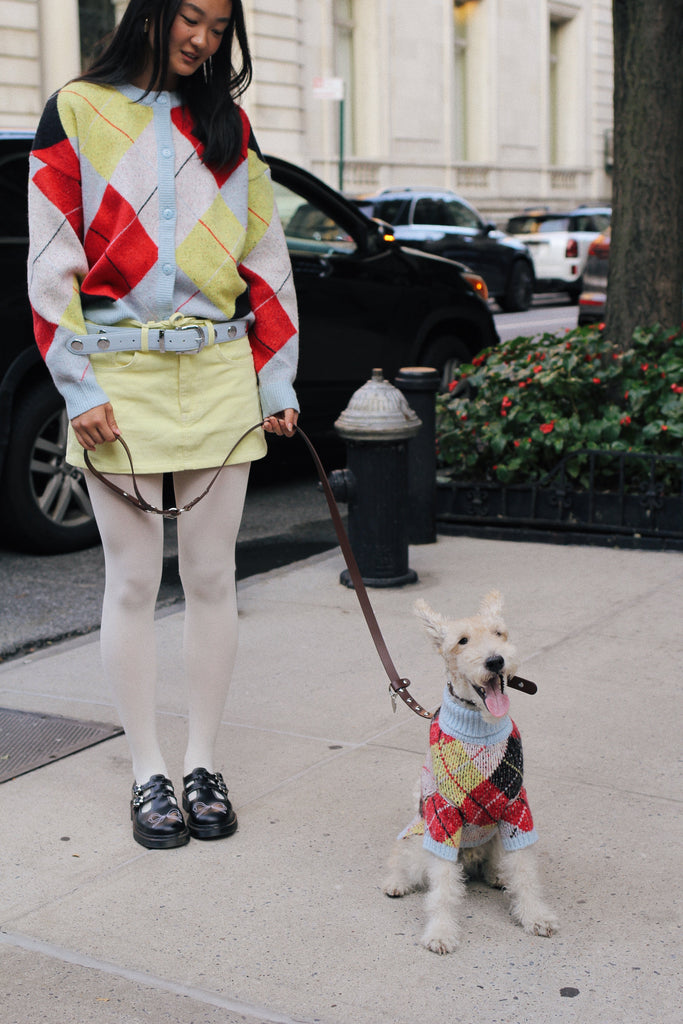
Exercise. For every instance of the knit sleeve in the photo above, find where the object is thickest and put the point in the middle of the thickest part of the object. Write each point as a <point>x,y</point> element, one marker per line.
<point>267,269</point>
<point>516,824</point>
<point>57,263</point>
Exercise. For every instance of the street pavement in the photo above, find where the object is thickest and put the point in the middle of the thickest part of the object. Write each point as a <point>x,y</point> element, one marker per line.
<point>286,920</point>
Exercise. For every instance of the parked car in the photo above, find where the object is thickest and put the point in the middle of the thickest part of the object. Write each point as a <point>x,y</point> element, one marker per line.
<point>439,221</point>
<point>559,243</point>
<point>593,298</point>
<point>365,301</point>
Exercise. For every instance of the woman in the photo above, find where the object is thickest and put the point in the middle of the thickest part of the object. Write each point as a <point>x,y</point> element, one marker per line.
<point>164,307</point>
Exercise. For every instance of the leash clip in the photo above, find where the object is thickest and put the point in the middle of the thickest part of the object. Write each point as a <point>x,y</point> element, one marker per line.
<point>392,694</point>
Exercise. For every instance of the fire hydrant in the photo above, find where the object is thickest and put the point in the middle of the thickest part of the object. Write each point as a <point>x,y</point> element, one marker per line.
<point>376,426</point>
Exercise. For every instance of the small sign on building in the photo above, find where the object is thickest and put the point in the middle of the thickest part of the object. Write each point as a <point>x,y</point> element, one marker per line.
<point>328,88</point>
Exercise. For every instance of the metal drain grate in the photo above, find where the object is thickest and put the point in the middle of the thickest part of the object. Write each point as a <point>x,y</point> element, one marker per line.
<point>30,740</point>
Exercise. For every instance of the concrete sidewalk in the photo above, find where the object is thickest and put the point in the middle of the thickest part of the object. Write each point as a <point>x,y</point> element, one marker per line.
<point>286,920</point>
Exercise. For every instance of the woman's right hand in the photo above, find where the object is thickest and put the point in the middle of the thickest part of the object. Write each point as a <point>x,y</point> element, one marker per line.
<point>96,426</point>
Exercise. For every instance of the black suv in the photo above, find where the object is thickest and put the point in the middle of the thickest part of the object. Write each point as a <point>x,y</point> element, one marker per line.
<point>365,301</point>
<point>439,221</point>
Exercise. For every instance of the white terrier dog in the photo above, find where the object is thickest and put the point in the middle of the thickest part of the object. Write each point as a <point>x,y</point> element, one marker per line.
<point>473,817</point>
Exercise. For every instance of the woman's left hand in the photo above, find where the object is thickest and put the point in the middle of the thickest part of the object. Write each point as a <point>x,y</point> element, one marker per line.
<point>282,423</point>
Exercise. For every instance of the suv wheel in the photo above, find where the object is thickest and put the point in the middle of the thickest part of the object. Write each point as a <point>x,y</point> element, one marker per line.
<point>520,289</point>
<point>46,507</point>
<point>446,354</point>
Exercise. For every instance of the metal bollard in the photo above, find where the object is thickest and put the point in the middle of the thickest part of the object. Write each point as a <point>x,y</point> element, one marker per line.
<point>376,426</point>
<point>419,384</point>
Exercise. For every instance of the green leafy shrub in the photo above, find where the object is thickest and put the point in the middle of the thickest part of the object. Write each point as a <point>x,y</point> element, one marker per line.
<point>523,405</point>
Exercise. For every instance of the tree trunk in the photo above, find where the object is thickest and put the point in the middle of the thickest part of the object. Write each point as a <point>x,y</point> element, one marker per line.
<point>646,255</point>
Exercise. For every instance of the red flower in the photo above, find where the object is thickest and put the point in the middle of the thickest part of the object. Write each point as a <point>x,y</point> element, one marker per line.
<point>596,380</point>
<point>547,428</point>
<point>678,388</point>
<point>601,327</point>
<point>506,403</point>
<point>522,384</point>
<point>538,369</point>
<point>478,360</point>
<point>625,421</point>
<point>644,367</point>
<point>452,385</point>
<point>516,443</point>
<point>664,426</point>
<point>626,394</point>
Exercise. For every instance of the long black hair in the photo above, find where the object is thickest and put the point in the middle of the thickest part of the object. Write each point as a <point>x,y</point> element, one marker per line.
<point>209,93</point>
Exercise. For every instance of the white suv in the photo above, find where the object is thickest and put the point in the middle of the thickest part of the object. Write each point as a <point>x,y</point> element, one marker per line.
<point>558,243</point>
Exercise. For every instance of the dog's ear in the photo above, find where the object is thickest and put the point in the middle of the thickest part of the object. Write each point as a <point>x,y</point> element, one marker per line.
<point>434,624</point>
<point>492,605</point>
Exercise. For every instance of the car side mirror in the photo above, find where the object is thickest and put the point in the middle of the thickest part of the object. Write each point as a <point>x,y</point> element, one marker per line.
<point>489,226</point>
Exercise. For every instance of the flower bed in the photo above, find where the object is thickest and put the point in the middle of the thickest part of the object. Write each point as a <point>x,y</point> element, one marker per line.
<point>520,407</point>
<point>567,431</point>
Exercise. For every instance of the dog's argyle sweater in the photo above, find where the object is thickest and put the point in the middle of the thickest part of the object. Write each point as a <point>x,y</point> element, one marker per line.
<point>127,224</point>
<point>472,784</point>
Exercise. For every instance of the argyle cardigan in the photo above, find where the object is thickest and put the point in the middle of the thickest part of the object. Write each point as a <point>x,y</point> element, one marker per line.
<point>127,223</point>
<point>472,784</point>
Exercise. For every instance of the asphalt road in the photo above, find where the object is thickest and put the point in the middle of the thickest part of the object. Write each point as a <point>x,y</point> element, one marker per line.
<point>44,599</point>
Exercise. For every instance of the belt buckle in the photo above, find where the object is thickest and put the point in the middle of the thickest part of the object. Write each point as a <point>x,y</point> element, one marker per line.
<point>200,340</point>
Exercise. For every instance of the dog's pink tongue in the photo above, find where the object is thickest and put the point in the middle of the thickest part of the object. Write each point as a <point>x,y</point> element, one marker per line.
<point>498,703</point>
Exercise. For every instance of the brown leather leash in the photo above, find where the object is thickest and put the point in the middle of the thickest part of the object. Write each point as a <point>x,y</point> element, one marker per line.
<point>398,686</point>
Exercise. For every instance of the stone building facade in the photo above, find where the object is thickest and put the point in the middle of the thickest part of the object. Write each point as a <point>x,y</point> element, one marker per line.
<point>508,102</point>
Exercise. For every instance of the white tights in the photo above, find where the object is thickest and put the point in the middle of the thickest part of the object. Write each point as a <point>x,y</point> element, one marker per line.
<point>133,551</point>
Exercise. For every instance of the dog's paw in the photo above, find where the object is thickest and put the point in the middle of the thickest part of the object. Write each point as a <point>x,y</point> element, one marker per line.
<point>396,890</point>
<point>440,944</point>
<point>545,924</point>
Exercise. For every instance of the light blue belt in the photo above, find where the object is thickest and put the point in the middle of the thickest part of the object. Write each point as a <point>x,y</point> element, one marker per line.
<point>172,335</point>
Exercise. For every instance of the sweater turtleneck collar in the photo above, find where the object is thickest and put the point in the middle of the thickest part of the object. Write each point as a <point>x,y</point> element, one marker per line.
<point>465,723</point>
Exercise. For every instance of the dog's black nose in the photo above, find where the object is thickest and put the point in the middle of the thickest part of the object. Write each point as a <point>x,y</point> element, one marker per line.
<point>495,663</point>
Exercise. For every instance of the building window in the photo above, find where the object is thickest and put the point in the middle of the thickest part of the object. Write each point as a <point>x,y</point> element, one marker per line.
<point>344,65</point>
<point>460,18</point>
<point>96,19</point>
<point>554,90</point>
<point>565,84</point>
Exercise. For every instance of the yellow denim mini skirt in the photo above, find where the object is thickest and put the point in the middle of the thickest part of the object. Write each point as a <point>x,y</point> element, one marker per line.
<point>178,411</point>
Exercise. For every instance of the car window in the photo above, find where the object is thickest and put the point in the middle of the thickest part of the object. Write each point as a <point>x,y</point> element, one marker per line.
<point>459,215</point>
<point>308,227</point>
<point>554,224</point>
<point>393,211</point>
<point>446,212</point>
<point>13,185</point>
<point>601,221</point>
<point>530,225</point>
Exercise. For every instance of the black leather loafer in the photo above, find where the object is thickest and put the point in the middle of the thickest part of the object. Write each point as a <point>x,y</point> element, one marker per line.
<point>210,814</point>
<point>158,822</point>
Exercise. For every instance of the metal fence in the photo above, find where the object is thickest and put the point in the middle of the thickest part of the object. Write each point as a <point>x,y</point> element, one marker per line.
<point>612,493</point>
